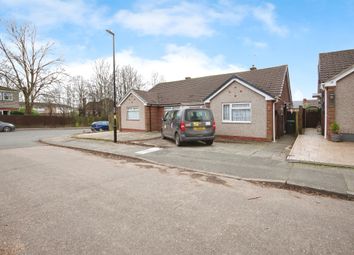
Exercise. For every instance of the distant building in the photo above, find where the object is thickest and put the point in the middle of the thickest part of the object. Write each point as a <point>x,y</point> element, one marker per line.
<point>51,109</point>
<point>103,107</point>
<point>306,103</point>
<point>9,100</point>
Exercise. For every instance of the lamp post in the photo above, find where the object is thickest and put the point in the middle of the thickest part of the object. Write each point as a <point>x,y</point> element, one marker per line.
<point>114,87</point>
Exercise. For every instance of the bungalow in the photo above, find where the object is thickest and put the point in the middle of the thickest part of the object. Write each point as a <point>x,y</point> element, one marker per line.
<point>248,105</point>
<point>336,87</point>
<point>8,100</point>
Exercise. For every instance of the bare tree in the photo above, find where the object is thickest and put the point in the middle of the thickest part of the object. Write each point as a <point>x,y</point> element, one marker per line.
<point>101,88</point>
<point>26,65</point>
<point>128,78</point>
<point>155,79</point>
<point>80,91</point>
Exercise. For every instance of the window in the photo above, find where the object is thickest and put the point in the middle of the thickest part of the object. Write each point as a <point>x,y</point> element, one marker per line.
<point>198,115</point>
<point>170,115</point>
<point>0,96</point>
<point>133,113</point>
<point>236,112</point>
<point>7,96</point>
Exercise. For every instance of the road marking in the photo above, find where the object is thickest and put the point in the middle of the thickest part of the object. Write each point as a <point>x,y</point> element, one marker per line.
<point>148,150</point>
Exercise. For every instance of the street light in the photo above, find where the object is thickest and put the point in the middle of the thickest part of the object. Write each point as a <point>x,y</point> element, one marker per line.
<point>114,87</point>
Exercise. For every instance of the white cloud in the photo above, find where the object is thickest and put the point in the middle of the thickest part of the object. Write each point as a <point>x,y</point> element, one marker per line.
<point>266,14</point>
<point>177,63</point>
<point>298,95</point>
<point>185,18</point>
<point>55,12</point>
<point>194,19</point>
<point>252,43</point>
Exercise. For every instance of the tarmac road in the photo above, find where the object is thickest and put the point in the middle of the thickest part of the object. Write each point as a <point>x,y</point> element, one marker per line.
<point>29,137</point>
<point>60,201</point>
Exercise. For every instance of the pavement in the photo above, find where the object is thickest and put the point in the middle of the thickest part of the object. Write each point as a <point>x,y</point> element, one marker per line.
<point>259,162</point>
<point>311,147</point>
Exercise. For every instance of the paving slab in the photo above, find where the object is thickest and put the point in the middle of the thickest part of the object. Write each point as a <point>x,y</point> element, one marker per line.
<point>313,148</point>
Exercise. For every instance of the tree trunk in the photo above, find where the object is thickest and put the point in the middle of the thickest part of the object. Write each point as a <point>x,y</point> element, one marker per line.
<point>28,106</point>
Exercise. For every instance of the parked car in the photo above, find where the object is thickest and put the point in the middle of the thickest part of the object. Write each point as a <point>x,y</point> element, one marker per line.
<point>100,126</point>
<point>6,127</point>
<point>189,124</point>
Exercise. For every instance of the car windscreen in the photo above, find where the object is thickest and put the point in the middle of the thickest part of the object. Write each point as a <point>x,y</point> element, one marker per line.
<point>198,115</point>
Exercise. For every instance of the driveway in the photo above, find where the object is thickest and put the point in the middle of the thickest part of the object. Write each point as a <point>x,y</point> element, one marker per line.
<point>278,150</point>
<point>311,147</point>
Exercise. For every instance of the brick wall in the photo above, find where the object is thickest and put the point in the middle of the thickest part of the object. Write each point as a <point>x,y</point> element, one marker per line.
<point>331,109</point>
<point>269,120</point>
<point>241,138</point>
<point>281,108</point>
<point>153,116</point>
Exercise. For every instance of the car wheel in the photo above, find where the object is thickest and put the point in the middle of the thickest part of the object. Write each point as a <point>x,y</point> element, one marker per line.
<point>7,129</point>
<point>101,130</point>
<point>177,140</point>
<point>209,142</point>
<point>162,135</point>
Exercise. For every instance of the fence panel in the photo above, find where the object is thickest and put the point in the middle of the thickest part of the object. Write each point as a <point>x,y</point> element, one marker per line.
<point>38,121</point>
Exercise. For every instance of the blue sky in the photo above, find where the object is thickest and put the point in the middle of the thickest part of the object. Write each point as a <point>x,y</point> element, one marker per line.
<point>192,38</point>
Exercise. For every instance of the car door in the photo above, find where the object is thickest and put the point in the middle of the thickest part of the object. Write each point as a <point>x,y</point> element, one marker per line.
<point>174,123</point>
<point>166,125</point>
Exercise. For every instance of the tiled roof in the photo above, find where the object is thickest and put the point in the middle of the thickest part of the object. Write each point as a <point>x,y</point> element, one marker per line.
<point>332,63</point>
<point>268,80</point>
<point>149,97</point>
<point>310,103</point>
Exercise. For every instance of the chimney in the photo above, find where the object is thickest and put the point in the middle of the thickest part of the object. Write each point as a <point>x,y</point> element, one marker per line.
<point>188,78</point>
<point>253,68</point>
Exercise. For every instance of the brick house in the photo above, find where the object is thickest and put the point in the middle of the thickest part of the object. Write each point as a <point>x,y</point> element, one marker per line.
<point>9,100</point>
<point>248,105</point>
<point>336,85</point>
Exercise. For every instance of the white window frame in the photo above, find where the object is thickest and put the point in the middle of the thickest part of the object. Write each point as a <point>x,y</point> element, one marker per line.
<point>9,94</point>
<point>249,107</point>
<point>0,96</point>
<point>133,109</point>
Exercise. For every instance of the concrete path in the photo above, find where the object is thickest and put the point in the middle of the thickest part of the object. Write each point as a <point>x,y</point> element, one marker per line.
<point>264,162</point>
<point>313,148</point>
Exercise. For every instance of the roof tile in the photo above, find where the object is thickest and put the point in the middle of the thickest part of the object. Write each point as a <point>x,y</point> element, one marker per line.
<point>268,80</point>
<point>332,63</point>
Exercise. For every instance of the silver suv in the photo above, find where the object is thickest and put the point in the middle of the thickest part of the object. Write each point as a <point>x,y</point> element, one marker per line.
<point>190,124</point>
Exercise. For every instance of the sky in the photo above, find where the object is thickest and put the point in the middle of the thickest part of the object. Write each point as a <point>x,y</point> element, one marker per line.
<point>179,39</point>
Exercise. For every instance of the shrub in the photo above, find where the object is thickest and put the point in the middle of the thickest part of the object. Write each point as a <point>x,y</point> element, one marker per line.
<point>17,113</point>
<point>335,128</point>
